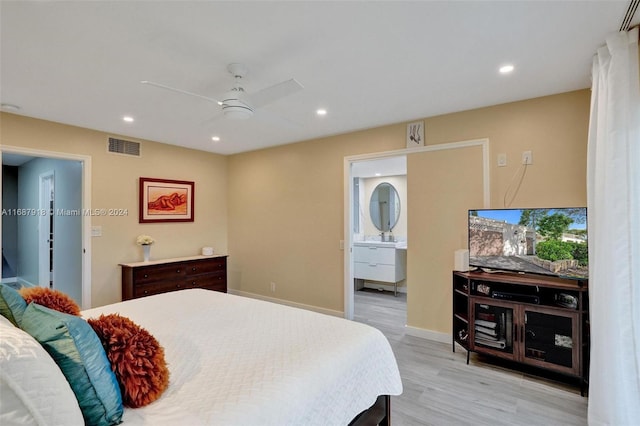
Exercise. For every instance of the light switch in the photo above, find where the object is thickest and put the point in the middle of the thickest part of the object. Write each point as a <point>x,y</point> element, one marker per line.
<point>96,231</point>
<point>502,160</point>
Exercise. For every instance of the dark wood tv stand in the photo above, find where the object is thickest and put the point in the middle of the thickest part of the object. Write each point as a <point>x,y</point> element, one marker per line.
<point>529,319</point>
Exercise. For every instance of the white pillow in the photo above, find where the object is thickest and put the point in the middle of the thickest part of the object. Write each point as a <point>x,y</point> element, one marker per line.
<point>34,390</point>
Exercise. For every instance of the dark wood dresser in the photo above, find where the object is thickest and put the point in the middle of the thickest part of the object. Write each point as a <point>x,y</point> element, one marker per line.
<point>142,279</point>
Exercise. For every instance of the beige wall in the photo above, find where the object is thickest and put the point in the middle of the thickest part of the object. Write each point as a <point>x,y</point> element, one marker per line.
<point>115,185</point>
<point>286,203</point>
<point>450,181</point>
<point>554,127</point>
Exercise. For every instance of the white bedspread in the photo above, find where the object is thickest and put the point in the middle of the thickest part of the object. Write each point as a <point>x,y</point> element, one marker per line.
<point>240,361</point>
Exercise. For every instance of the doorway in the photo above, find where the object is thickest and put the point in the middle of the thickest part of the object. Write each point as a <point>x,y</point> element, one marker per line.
<point>426,187</point>
<point>379,241</point>
<point>44,194</point>
<point>46,215</point>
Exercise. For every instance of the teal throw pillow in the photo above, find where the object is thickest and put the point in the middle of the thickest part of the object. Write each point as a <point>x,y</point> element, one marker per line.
<point>12,305</point>
<point>77,350</point>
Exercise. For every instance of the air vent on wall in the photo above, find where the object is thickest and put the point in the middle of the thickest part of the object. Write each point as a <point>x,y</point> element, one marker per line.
<point>121,146</point>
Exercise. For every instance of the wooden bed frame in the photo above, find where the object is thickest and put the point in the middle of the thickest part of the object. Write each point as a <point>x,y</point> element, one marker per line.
<point>378,414</point>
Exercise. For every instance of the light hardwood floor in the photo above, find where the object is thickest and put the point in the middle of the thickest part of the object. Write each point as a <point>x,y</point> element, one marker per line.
<point>441,389</point>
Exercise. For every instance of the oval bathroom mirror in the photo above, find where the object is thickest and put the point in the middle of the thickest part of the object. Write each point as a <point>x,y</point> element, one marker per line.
<point>384,207</point>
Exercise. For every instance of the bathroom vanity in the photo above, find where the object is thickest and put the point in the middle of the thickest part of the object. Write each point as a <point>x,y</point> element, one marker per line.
<point>380,261</point>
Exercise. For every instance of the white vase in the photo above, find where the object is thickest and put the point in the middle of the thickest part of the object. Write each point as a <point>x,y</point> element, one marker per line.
<point>146,248</point>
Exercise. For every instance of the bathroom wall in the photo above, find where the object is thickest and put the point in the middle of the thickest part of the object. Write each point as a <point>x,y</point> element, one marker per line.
<point>367,186</point>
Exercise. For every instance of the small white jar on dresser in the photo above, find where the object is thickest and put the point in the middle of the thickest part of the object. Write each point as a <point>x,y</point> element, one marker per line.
<point>380,261</point>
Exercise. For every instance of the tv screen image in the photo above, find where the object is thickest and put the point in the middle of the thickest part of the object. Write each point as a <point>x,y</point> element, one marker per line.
<point>549,241</point>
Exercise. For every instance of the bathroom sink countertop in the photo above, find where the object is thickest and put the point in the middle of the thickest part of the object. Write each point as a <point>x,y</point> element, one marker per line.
<point>396,244</point>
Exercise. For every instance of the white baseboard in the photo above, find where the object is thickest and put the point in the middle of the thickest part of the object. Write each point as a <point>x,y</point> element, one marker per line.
<point>287,303</point>
<point>26,283</point>
<point>19,280</point>
<point>435,336</point>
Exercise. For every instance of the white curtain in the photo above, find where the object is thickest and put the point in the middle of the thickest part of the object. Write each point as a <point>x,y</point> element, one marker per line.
<point>613,193</point>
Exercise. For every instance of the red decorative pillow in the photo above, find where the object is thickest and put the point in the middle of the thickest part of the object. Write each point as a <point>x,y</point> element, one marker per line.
<point>52,299</point>
<point>136,357</point>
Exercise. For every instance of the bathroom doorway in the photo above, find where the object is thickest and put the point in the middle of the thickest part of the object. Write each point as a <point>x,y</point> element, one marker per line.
<point>379,241</point>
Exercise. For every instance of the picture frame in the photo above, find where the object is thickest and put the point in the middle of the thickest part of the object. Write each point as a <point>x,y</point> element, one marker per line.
<point>166,200</point>
<point>415,134</point>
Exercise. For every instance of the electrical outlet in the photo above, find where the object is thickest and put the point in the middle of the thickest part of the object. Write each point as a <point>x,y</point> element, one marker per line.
<point>273,287</point>
<point>96,231</point>
<point>527,158</point>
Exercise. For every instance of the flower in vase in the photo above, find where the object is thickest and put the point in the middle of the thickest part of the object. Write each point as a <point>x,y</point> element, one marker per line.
<point>144,240</point>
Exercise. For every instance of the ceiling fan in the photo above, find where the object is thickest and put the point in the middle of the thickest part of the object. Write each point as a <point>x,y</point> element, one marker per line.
<point>236,103</point>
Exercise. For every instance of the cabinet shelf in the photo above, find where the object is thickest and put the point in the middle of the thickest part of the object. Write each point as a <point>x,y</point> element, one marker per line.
<point>528,319</point>
<point>462,317</point>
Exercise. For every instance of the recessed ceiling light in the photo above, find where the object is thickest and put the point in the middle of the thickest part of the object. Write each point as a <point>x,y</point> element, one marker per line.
<point>10,107</point>
<point>506,69</point>
<point>128,119</point>
<point>215,138</point>
<point>378,174</point>
<point>321,111</point>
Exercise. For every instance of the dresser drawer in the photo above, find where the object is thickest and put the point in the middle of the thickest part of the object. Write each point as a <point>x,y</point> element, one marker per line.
<point>210,280</point>
<point>158,287</point>
<point>375,272</point>
<point>206,266</point>
<point>373,254</point>
<point>159,273</point>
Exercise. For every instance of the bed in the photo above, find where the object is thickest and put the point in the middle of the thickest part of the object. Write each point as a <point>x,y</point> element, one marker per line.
<point>240,361</point>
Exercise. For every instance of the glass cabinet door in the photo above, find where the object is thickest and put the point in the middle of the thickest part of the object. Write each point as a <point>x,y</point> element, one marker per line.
<point>550,338</point>
<point>493,327</point>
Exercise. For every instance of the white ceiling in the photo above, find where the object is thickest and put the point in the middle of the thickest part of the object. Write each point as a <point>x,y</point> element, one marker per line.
<point>368,63</point>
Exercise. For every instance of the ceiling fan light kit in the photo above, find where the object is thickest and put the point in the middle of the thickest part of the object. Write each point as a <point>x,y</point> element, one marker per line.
<point>236,109</point>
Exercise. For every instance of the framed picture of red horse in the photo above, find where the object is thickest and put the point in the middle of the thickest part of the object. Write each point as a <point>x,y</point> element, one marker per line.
<point>164,200</point>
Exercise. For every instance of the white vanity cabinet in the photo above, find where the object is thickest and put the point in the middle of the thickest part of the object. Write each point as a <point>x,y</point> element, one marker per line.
<point>376,261</point>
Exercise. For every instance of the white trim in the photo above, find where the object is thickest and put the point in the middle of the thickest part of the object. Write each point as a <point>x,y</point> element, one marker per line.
<point>86,206</point>
<point>348,196</point>
<point>22,282</point>
<point>422,333</point>
<point>286,302</point>
<point>46,271</point>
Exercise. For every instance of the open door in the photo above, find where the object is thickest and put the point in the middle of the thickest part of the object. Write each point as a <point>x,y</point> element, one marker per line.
<point>46,229</point>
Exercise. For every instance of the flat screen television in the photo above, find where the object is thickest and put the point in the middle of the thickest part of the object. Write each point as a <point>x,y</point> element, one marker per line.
<point>538,241</point>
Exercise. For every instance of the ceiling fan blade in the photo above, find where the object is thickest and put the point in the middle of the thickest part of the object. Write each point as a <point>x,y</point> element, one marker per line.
<point>184,92</point>
<point>275,92</point>
<point>272,119</point>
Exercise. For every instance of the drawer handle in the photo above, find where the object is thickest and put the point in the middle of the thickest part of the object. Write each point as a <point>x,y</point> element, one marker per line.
<point>193,283</point>
<point>177,285</point>
<point>177,271</point>
<point>146,276</point>
<point>373,248</point>
<point>146,292</point>
<point>194,269</point>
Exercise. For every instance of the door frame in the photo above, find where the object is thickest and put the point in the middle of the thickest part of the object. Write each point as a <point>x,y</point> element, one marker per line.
<point>348,202</point>
<point>44,222</point>
<point>85,160</point>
